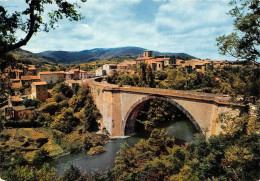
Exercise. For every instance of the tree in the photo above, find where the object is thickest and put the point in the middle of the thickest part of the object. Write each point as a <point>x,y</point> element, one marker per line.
<point>64,89</point>
<point>143,72</point>
<point>42,156</point>
<point>31,103</point>
<point>244,42</point>
<point>71,174</point>
<point>66,121</point>
<point>34,22</point>
<point>150,76</point>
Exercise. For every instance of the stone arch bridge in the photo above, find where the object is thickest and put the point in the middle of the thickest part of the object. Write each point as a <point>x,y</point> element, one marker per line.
<point>119,106</point>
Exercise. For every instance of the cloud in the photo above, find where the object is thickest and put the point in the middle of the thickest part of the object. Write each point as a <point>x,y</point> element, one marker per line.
<point>189,26</point>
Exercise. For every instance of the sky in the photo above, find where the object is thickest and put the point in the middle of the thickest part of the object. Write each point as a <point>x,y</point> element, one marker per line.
<point>177,26</point>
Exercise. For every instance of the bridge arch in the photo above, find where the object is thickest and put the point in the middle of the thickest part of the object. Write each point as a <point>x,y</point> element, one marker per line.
<point>129,120</point>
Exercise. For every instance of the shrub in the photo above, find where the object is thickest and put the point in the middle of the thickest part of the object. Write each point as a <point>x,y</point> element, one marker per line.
<point>96,150</point>
<point>31,103</point>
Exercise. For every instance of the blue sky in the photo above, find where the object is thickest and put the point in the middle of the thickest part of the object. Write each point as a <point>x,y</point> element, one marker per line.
<point>188,26</point>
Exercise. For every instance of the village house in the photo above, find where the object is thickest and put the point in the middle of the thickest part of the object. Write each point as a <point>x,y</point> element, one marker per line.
<point>15,101</point>
<point>100,72</point>
<point>110,68</point>
<point>21,112</point>
<point>16,109</point>
<point>77,74</point>
<point>90,75</point>
<point>31,70</point>
<point>73,83</point>
<point>51,77</point>
<point>126,65</point>
<point>16,87</point>
<point>156,63</point>
<point>28,80</point>
<point>18,73</point>
<point>197,65</point>
<point>39,90</point>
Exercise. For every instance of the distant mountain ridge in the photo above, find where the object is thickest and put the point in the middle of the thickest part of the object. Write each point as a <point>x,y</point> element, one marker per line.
<point>96,54</point>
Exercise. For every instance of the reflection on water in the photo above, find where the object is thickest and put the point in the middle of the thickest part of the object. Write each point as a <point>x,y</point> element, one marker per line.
<point>182,129</point>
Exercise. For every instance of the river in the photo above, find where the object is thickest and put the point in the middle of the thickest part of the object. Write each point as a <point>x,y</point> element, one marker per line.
<point>181,129</point>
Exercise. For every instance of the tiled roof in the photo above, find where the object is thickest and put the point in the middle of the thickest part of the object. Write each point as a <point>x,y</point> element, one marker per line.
<point>47,73</point>
<point>122,65</point>
<point>73,70</point>
<point>17,70</point>
<point>31,68</point>
<point>19,108</point>
<point>40,83</point>
<point>16,85</point>
<point>15,80</point>
<point>16,99</point>
<point>29,77</point>
<point>111,64</point>
<point>144,58</point>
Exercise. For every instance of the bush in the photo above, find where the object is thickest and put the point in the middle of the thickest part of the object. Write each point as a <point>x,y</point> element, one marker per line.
<point>4,137</point>
<point>42,156</point>
<point>63,89</point>
<point>58,97</point>
<point>96,150</point>
<point>41,141</point>
<point>65,122</point>
<point>71,174</point>
<point>31,103</point>
<point>45,119</point>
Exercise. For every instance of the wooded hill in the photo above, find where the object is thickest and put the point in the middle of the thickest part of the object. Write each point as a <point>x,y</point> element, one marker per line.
<point>70,57</point>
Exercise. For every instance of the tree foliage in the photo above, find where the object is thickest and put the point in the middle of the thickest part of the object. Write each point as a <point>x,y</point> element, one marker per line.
<point>230,156</point>
<point>243,43</point>
<point>66,121</point>
<point>31,20</point>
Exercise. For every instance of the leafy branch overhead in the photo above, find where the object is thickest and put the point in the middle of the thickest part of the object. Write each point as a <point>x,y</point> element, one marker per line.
<point>31,21</point>
<point>244,42</point>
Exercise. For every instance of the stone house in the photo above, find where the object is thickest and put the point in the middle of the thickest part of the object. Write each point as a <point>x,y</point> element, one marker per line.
<point>109,68</point>
<point>73,83</point>
<point>100,72</point>
<point>39,91</point>
<point>51,77</point>
<point>17,88</point>
<point>28,80</point>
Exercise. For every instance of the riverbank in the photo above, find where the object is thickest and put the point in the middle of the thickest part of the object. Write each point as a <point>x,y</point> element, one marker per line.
<point>181,130</point>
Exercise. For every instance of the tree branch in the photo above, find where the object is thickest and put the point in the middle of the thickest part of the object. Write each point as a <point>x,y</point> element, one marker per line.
<point>29,35</point>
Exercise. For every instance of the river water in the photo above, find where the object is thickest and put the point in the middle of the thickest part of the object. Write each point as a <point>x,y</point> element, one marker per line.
<point>181,129</point>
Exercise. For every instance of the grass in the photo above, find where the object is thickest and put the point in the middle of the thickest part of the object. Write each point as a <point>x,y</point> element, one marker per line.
<point>19,136</point>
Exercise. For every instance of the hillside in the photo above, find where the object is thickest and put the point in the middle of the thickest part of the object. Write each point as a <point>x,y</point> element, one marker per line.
<point>29,57</point>
<point>96,54</point>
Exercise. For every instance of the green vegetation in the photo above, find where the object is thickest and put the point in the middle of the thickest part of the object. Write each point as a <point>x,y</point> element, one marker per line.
<point>63,122</point>
<point>96,150</point>
<point>31,103</point>
<point>243,43</point>
<point>233,155</point>
<point>11,23</point>
<point>157,113</point>
<point>230,156</point>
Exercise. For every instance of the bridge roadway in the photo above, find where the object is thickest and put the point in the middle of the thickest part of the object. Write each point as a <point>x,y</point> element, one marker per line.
<point>119,106</point>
